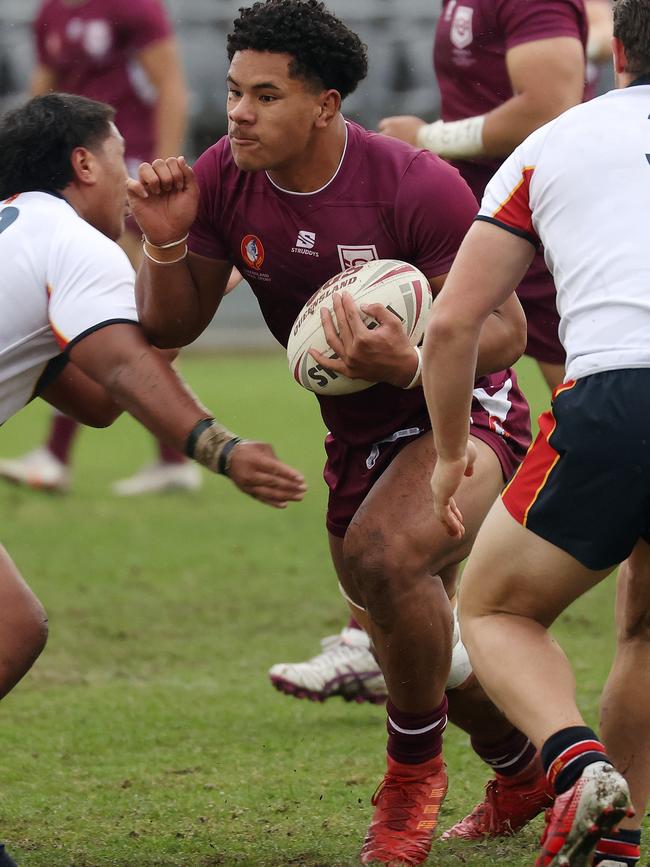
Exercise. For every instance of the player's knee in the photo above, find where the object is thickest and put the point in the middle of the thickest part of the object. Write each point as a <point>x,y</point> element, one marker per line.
<point>384,567</point>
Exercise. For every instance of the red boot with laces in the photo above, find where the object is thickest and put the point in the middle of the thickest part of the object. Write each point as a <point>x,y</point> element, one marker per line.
<point>407,804</point>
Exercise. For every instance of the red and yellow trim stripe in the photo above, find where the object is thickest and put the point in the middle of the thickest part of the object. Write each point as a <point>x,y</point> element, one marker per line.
<point>525,487</point>
<point>515,210</point>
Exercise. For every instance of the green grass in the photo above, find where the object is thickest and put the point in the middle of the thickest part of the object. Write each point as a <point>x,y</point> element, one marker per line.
<point>147,733</point>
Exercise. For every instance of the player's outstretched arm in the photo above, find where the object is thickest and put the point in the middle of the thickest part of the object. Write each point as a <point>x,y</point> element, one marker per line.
<point>487,269</point>
<point>75,394</point>
<point>143,383</point>
<point>177,292</point>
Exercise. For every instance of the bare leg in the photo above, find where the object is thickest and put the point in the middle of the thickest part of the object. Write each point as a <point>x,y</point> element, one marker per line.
<point>23,625</point>
<point>507,618</point>
<point>393,554</point>
<point>625,703</point>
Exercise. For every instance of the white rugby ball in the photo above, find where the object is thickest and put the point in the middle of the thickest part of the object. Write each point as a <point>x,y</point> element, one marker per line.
<point>400,287</point>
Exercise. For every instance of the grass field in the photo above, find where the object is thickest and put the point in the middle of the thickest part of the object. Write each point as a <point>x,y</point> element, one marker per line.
<point>147,733</point>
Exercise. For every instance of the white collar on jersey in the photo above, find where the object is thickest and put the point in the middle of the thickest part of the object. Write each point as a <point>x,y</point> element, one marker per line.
<point>326,185</point>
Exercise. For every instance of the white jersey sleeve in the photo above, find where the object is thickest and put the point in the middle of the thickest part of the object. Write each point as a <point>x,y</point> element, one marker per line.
<point>90,284</point>
<point>507,199</point>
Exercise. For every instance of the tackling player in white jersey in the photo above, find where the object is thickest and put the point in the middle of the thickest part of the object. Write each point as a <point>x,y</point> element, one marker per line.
<point>580,502</point>
<point>69,329</point>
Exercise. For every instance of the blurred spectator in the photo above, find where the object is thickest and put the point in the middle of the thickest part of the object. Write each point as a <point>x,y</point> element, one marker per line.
<point>122,52</point>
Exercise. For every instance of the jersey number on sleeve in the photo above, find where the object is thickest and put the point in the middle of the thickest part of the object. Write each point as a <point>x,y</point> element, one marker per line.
<point>7,217</point>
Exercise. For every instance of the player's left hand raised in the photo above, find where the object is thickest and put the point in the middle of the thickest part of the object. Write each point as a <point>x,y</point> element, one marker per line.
<point>445,481</point>
<point>164,199</point>
<point>379,354</point>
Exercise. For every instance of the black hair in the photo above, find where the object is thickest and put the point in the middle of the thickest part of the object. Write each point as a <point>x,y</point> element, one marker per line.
<point>37,140</point>
<point>326,53</point>
<point>632,27</point>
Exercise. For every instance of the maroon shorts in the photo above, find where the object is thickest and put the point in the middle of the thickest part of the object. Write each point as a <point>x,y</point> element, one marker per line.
<point>351,471</point>
<point>537,296</point>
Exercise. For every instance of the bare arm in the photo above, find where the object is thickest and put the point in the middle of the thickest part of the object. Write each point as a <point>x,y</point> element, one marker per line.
<point>43,80</point>
<point>142,382</point>
<point>502,337</point>
<point>601,25</point>
<point>162,64</point>
<point>547,77</point>
<point>176,299</point>
<point>77,395</point>
<point>488,268</point>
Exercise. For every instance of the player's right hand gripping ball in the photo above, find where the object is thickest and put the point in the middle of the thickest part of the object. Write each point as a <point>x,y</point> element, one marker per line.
<point>400,287</point>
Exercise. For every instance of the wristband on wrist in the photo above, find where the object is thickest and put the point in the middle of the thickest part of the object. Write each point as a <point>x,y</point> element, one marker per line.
<point>418,371</point>
<point>195,433</point>
<point>168,245</point>
<point>458,139</point>
<point>211,444</point>
<point>162,261</point>
<point>224,457</point>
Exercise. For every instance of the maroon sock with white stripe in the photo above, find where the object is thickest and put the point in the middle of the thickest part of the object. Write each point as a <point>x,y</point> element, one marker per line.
<point>415,737</point>
<point>567,753</point>
<point>510,756</point>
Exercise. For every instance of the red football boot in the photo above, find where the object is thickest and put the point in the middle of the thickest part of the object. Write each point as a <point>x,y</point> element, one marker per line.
<point>579,817</point>
<point>510,803</point>
<point>407,804</point>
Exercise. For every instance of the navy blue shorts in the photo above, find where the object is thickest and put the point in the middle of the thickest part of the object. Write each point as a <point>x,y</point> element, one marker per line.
<point>584,485</point>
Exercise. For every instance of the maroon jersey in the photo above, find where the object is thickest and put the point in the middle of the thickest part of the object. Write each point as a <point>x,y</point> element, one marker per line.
<point>92,48</point>
<point>386,201</point>
<point>472,37</point>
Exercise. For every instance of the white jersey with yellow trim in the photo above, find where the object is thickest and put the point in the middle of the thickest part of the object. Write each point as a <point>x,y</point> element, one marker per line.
<point>581,186</point>
<point>60,280</point>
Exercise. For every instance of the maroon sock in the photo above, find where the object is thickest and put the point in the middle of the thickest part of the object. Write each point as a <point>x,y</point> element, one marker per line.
<point>415,737</point>
<point>352,624</point>
<point>508,757</point>
<point>168,455</point>
<point>61,437</point>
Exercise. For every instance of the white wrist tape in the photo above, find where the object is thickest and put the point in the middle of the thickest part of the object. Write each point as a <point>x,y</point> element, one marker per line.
<point>417,376</point>
<point>458,139</point>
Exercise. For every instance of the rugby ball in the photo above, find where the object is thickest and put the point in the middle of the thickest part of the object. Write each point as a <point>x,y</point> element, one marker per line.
<point>400,287</point>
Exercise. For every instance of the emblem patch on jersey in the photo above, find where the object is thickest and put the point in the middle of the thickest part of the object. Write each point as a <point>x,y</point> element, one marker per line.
<point>350,256</point>
<point>252,251</point>
<point>461,34</point>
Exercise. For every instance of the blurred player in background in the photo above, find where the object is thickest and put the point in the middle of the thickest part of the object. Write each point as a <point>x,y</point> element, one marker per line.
<point>122,52</point>
<point>579,504</point>
<point>78,345</point>
<point>292,167</point>
<point>504,68</point>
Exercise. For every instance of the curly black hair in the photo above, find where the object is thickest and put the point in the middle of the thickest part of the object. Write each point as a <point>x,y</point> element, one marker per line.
<point>326,53</point>
<point>37,140</point>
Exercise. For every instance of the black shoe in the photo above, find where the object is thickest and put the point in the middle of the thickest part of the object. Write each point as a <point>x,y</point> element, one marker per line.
<point>5,859</point>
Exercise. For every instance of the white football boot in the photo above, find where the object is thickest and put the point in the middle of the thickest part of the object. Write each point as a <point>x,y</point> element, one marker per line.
<point>38,469</point>
<point>345,666</point>
<point>160,478</point>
